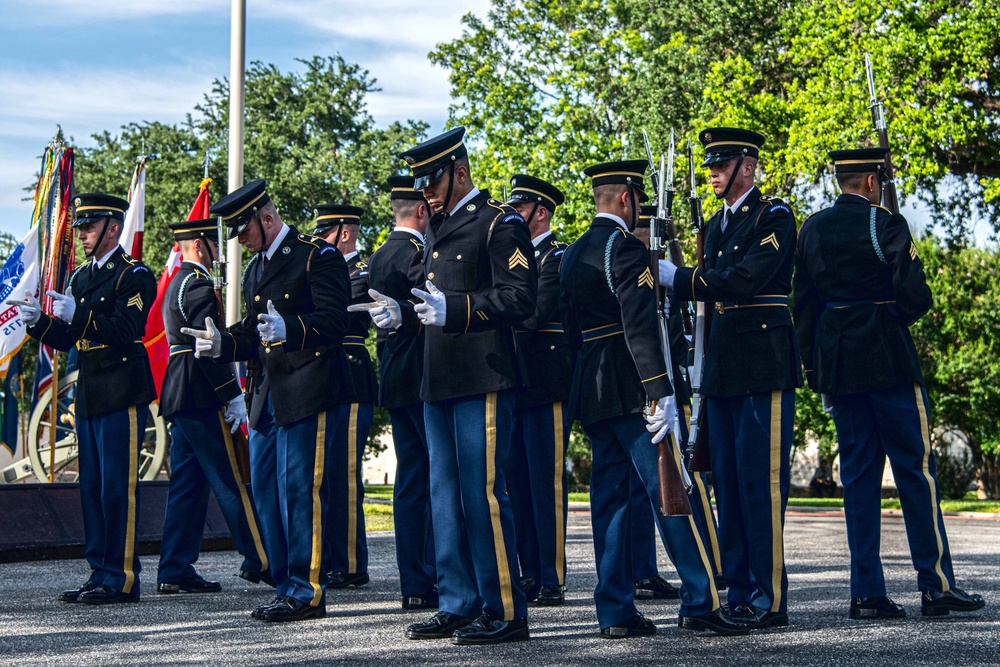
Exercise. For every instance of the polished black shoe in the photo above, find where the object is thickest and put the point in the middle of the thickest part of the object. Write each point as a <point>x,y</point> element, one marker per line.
<point>489,630</point>
<point>107,595</point>
<point>768,619</point>
<point>439,626</point>
<point>262,577</point>
<point>529,587</point>
<point>720,583</point>
<point>193,584</point>
<point>260,610</point>
<point>637,626</point>
<point>714,621</point>
<point>551,596</point>
<point>936,603</point>
<point>345,579</point>
<point>290,609</point>
<point>741,613</point>
<point>881,606</point>
<point>74,594</point>
<point>428,600</point>
<point>655,588</point>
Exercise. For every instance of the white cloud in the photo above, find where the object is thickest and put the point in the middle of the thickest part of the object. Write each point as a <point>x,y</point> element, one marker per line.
<point>87,11</point>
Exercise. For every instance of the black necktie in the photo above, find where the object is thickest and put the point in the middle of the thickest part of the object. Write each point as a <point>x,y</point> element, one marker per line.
<point>725,219</point>
<point>261,266</point>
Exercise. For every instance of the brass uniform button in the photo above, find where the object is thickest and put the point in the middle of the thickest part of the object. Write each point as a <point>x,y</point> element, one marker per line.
<point>435,255</point>
<point>430,275</point>
<point>257,298</point>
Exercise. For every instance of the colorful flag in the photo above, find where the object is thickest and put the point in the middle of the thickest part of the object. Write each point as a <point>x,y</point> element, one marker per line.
<point>135,217</point>
<point>18,275</point>
<point>9,433</point>
<point>155,338</point>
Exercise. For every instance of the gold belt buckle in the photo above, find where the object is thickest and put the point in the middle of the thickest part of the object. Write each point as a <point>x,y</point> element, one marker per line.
<point>84,345</point>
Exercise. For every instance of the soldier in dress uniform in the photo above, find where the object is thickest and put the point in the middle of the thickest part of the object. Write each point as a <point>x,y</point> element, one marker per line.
<point>203,402</point>
<point>346,545</point>
<point>394,269</point>
<point>751,371</point>
<point>295,292</point>
<point>481,280</point>
<point>103,313</point>
<point>609,310</point>
<point>536,469</point>
<point>859,284</point>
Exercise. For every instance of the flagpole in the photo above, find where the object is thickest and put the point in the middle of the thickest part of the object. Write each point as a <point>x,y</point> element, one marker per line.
<point>237,56</point>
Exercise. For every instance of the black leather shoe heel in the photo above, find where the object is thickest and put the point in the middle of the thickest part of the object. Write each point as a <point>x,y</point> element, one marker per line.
<point>344,579</point>
<point>637,626</point>
<point>107,595</point>
<point>936,603</point>
<point>713,621</point>
<point>876,607</point>
<point>73,595</point>
<point>440,626</point>
<point>489,630</point>
<point>291,609</point>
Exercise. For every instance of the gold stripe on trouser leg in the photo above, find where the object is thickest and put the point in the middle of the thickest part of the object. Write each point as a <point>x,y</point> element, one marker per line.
<point>133,480</point>
<point>316,561</point>
<point>706,506</point>
<point>503,569</point>
<point>558,471</point>
<point>352,490</point>
<point>777,532</point>
<point>227,439</point>
<point>931,486</point>
<point>676,452</point>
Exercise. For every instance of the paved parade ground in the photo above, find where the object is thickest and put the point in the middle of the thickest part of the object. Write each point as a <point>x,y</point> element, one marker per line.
<point>365,626</point>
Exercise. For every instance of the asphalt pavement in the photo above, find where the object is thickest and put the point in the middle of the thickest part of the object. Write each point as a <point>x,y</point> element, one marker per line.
<point>364,626</point>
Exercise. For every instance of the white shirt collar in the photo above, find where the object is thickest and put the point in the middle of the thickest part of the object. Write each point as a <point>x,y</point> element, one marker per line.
<point>540,239</point>
<point>736,204</point>
<point>277,241</point>
<point>410,230</point>
<point>615,218</point>
<point>465,200</point>
<point>348,257</point>
<point>100,262</point>
<point>198,264</point>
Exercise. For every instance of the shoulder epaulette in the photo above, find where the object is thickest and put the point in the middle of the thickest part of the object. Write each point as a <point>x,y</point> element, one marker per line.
<point>417,244</point>
<point>128,258</point>
<point>882,207</point>
<point>310,240</point>
<point>360,265</point>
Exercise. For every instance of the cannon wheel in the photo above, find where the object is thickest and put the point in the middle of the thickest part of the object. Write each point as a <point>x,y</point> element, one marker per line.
<point>151,458</point>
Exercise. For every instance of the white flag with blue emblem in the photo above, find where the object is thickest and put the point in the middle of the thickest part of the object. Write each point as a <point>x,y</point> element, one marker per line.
<point>19,274</point>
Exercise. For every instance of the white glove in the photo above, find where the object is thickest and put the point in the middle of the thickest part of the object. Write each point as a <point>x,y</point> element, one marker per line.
<point>272,326</point>
<point>383,310</point>
<point>207,341</point>
<point>63,305</point>
<point>667,271</point>
<point>661,420</point>
<point>827,403</point>
<point>29,309</point>
<point>431,311</point>
<point>235,413</point>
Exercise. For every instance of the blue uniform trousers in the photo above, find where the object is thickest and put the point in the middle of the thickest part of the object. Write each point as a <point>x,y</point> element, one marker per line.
<point>642,522</point>
<point>536,482</point>
<point>870,426</point>
<point>286,470</point>
<point>751,440</point>
<point>345,541</point>
<point>109,476</point>
<point>619,444</point>
<point>202,458</point>
<point>468,439</point>
<point>411,502</point>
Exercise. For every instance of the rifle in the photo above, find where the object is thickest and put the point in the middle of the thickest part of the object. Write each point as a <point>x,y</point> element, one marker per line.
<point>888,176</point>
<point>699,458</point>
<point>675,483</point>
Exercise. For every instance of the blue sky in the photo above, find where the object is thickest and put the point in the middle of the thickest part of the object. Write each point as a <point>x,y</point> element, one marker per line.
<point>94,65</point>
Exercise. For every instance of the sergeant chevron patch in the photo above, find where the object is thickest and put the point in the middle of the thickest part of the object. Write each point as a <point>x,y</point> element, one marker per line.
<point>913,251</point>
<point>770,240</point>
<point>517,259</point>
<point>135,301</point>
<point>646,279</point>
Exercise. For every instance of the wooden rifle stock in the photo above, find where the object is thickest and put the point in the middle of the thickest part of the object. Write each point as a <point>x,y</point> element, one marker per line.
<point>674,499</point>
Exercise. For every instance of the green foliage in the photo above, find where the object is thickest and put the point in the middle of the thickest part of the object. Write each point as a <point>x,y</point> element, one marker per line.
<point>812,423</point>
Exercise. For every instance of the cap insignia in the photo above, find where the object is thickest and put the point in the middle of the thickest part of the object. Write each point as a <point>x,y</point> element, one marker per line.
<point>708,136</point>
<point>77,201</point>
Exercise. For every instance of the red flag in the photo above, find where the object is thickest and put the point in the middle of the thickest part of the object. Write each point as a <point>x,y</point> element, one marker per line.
<point>155,339</point>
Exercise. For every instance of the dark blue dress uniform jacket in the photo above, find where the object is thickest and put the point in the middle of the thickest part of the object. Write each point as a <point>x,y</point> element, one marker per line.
<point>541,339</point>
<point>852,309</point>
<point>483,260</point>
<point>112,304</point>
<point>365,386</point>
<point>190,383</point>
<point>616,373</point>
<point>748,269</point>
<point>307,280</point>
<point>393,270</point>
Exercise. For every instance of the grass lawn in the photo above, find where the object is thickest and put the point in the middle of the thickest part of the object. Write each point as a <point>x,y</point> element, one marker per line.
<point>378,517</point>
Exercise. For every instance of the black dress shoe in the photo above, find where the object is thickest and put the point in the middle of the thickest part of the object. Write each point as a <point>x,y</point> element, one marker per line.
<point>193,584</point>
<point>655,588</point>
<point>768,619</point>
<point>260,610</point>
<point>936,603</point>
<point>741,613</point>
<point>551,596</point>
<point>489,630</point>
<point>262,577</point>
<point>439,626</point>
<point>876,607</point>
<point>74,594</point>
<point>529,587</point>
<point>107,595</point>
<point>714,621</point>
<point>428,600</point>
<point>345,579</point>
<point>637,626</point>
<point>720,583</point>
<point>290,609</point>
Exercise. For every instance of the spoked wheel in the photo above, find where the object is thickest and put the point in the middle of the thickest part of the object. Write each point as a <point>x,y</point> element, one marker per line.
<point>40,436</point>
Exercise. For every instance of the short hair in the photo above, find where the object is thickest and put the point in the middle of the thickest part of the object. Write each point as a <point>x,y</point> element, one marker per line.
<point>605,195</point>
<point>854,180</point>
<point>407,208</point>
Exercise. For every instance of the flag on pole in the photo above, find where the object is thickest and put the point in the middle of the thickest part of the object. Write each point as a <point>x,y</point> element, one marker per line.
<point>155,339</point>
<point>18,275</point>
<point>11,412</point>
<point>135,217</point>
